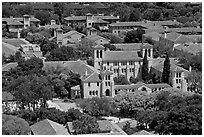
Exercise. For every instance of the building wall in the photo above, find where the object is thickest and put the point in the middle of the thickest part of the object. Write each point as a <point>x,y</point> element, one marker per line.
<point>90,87</point>
<point>75,37</point>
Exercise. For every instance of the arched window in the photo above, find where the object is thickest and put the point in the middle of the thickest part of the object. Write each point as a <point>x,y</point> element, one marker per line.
<point>97,92</point>
<point>149,52</point>
<point>90,93</point>
<point>97,54</point>
<point>101,54</point>
<point>144,89</point>
<point>107,92</point>
<point>93,92</point>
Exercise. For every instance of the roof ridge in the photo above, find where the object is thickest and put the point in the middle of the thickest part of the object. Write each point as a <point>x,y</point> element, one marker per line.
<point>178,37</point>
<point>89,76</point>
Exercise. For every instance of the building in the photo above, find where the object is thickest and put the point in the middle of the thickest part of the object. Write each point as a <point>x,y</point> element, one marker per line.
<point>8,49</point>
<point>71,37</point>
<point>191,48</point>
<point>99,21</point>
<point>31,50</point>
<point>106,128</point>
<point>48,127</point>
<point>173,39</point>
<point>9,102</point>
<point>126,63</point>
<point>177,74</point>
<point>22,22</point>
<point>97,40</point>
<point>148,26</point>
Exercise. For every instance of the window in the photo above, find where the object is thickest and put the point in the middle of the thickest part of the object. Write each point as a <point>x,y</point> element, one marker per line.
<point>97,92</point>
<point>108,77</point>
<point>123,63</point>
<point>109,83</point>
<point>179,74</point>
<point>116,92</point>
<point>139,62</point>
<point>98,84</point>
<point>106,83</point>
<point>149,52</point>
<point>89,84</point>
<point>177,81</point>
<point>99,63</point>
<point>107,63</point>
<point>97,54</point>
<point>101,54</point>
<point>131,63</point>
<point>89,24</point>
<point>90,93</point>
<point>115,64</point>
<point>93,92</point>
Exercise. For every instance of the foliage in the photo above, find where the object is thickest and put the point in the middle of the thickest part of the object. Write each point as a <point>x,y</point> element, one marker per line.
<point>97,106</point>
<point>85,125</point>
<point>135,15</point>
<point>112,37</point>
<point>134,36</point>
<point>31,66</point>
<point>195,81</point>
<point>120,80</point>
<point>61,54</point>
<point>109,46</point>
<point>35,38</point>
<point>47,46</point>
<point>43,16</point>
<point>166,70</point>
<point>129,102</point>
<point>12,125</point>
<point>145,67</point>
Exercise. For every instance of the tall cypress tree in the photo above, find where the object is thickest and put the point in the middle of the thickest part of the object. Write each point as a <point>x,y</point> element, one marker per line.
<point>145,68</point>
<point>166,70</point>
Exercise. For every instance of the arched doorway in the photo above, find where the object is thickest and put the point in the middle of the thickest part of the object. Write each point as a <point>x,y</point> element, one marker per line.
<point>144,89</point>
<point>107,92</point>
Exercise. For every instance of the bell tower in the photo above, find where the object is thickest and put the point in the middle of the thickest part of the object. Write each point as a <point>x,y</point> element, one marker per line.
<point>98,56</point>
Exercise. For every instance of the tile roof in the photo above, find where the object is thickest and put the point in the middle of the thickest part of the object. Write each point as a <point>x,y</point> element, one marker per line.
<point>136,24</point>
<point>121,56</point>
<point>54,26</point>
<point>128,46</point>
<point>8,66</point>
<point>7,96</point>
<point>186,29</point>
<point>32,19</point>
<point>48,127</point>
<point>94,38</point>
<point>94,77</point>
<point>154,35</point>
<point>8,49</point>
<point>72,32</point>
<point>15,42</point>
<point>177,38</point>
<point>190,48</point>
<point>100,21</point>
<point>77,87</point>
<point>158,65</point>
<point>95,18</point>
<point>14,23</point>
<point>194,38</point>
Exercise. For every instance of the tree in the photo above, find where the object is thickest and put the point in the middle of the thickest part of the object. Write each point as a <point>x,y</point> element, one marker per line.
<point>127,128</point>
<point>166,70</point>
<point>195,81</point>
<point>61,54</point>
<point>43,16</point>
<point>12,125</point>
<point>135,15</point>
<point>134,36</point>
<point>121,80</point>
<point>145,67</point>
<point>31,66</point>
<point>59,10</point>
<point>112,37</point>
<point>129,102</point>
<point>85,125</point>
<point>97,106</point>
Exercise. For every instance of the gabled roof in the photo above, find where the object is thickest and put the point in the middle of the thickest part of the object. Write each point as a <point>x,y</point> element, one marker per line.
<point>121,56</point>
<point>177,38</point>
<point>186,29</point>
<point>7,67</point>
<point>77,87</point>
<point>128,46</point>
<point>94,77</point>
<point>7,96</point>
<point>48,127</point>
<point>100,21</point>
<point>190,48</point>
<point>15,42</point>
<point>53,26</point>
<point>154,35</point>
<point>146,46</point>
<point>158,65</point>
<point>32,19</point>
<point>8,49</point>
<point>14,23</point>
<point>72,32</point>
<point>94,38</point>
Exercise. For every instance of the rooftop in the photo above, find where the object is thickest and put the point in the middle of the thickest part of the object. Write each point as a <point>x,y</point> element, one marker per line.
<point>15,42</point>
<point>7,96</point>
<point>48,127</point>
<point>153,35</point>
<point>8,49</point>
<point>121,56</point>
<point>94,38</point>
<point>190,48</point>
<point>177,38</point>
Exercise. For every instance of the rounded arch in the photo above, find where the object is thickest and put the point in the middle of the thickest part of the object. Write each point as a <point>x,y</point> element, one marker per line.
<point>107,92</point>
<point>144,89</point>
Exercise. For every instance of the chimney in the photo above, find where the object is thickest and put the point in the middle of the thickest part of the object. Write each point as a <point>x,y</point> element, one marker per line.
<point>190,68</point>
<point>59,36</point>
<point>52,22</point>
<point>86,73</point>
